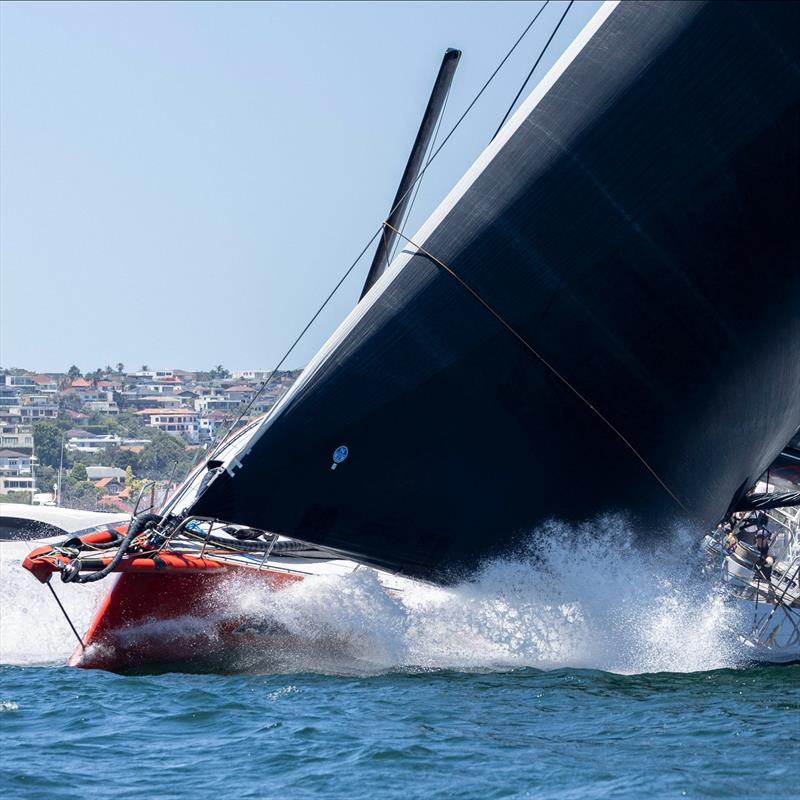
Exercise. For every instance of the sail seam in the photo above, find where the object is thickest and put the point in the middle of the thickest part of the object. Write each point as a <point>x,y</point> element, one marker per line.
<point>519,337</point>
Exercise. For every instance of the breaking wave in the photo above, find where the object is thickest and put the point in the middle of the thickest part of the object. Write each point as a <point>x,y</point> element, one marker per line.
<point>578,597</point>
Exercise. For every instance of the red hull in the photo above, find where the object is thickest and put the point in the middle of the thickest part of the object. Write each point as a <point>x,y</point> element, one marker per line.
<point>156,619</point>
<point>167,609</point>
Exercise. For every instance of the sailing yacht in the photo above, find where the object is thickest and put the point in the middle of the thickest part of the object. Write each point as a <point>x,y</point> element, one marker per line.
<point>600,317</point>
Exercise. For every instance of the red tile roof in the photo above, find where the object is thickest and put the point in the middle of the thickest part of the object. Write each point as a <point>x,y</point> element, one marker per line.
<point>116,501</point>
<point>80,383</point>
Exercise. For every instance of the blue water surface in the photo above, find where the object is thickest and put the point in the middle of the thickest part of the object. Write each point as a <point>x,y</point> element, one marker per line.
<point>67,733</point>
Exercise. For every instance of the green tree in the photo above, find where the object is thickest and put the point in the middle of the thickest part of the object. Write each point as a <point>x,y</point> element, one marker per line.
<point>133,485</point>
<point>126,423</point>
<point>78,473</point>
<point>80,494</point>
<point>73,373</point>
<point>158,458</point>
<point>115,456</point>
<point>120,367</point>
<point>47,443</point>
<point>22,498</point>
<point>98,422</point>
<point>71,401</point>
<point>46,477</point>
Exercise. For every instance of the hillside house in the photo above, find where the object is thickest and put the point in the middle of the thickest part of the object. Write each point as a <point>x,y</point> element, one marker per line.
<point>175,421</point>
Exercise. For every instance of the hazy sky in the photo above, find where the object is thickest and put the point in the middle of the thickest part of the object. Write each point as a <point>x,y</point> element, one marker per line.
<point>181,184</point>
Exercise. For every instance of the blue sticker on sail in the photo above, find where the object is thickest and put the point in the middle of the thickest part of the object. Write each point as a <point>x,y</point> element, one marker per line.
<point>339,455</point>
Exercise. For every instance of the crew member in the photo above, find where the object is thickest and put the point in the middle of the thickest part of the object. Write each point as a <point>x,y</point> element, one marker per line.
<point>765,560</point>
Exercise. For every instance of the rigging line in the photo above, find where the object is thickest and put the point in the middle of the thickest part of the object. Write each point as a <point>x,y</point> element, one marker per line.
<point>66,616</point>
<point>469,107</point>
<point>296,341</point>
<point>478,96</point>
<point>381,228</point>
<point>779,601</point>
<point>544,361</point>
<point>533,68</point>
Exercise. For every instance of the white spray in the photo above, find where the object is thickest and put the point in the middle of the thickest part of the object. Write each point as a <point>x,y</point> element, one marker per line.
<point>581,597</point>
<point>578,598</point>
<point>32,628</point>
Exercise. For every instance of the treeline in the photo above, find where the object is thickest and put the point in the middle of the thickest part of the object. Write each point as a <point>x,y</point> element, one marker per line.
<point>164,457</point>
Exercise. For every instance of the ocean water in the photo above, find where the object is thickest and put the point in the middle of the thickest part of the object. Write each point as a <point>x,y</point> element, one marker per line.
<point>591,670</point>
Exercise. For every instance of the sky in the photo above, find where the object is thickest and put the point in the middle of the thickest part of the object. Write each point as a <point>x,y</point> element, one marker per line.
<point>181,184</point>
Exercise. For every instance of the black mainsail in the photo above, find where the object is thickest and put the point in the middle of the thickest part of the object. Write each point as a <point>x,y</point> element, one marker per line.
<point>603,315</point>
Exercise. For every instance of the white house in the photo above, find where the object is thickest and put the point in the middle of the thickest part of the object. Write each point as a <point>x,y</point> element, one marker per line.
<point>29,409</point>
<point>17,483</point>
<point>45,384</point>
<point>251,374</point>
<point>151,375</point>
<point>161,401</point>
<point>86,443</point>
<point>167,386</point>
<point>215,402</point>
<point>16,436</point>
<point>16,474</point>
<point>25,382</point>
<point>175,421</point>
<point>98,473</point>
<point>14,463</point>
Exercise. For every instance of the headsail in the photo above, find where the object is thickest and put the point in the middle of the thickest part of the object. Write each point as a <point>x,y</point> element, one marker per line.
<point>634,224</point>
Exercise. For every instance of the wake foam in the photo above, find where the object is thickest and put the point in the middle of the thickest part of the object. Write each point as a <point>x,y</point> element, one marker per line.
<point>577,597</point>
